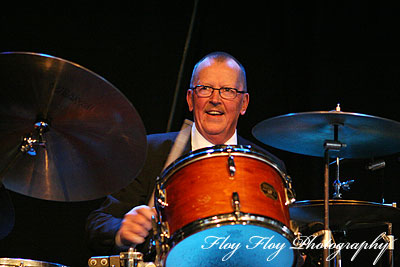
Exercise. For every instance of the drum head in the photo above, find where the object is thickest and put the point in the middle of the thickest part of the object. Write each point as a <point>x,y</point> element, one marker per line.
<point>233,245</point>
<point>12,262</point>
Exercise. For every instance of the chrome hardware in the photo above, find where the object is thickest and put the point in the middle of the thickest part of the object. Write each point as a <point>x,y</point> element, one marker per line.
<point>28,142</point>
<point>236,204</point>
<point>231,161</point>
<point>131,258</point>
<point>376,165</point>
<point>161,197</point>
<point>337,185</point>
<point>290,194</point>
<point>160,241</point>
<point>160,236</point>
<point>231,166</point>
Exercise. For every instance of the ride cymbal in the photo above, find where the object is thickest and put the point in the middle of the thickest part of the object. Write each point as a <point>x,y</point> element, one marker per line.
<point>82,139</point>
<point>305,133</point>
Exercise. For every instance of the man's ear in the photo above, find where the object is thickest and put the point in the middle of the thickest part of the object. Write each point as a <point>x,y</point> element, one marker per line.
<point>245,103</point>
<point>189,99</point>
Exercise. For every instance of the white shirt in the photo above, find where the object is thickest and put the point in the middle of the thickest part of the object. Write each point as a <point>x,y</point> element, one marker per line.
<point>198,141</point>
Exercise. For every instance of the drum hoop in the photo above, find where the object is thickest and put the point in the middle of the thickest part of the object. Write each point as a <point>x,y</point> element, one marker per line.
<point>230,219</point>
<point>217,151</point>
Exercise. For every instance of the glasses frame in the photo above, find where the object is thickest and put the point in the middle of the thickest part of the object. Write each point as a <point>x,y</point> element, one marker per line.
<point>216,89</point>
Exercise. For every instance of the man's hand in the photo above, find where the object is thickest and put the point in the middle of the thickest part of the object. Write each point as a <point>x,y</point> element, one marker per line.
<point>135,226</point>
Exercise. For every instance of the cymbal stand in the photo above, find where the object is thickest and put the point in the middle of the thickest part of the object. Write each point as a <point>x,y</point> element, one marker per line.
<point>27,146</point>
<point>329,145</point>
<point>338,257</point>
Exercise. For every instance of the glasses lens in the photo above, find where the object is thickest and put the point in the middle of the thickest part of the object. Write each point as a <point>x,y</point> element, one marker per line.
<point>204,91</point>
<point>228,93</point>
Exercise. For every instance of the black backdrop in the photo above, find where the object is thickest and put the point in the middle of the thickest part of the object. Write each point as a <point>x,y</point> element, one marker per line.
<point>300,56</point>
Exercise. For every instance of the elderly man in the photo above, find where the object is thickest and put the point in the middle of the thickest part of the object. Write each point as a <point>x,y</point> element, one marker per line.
<point>217,97</point>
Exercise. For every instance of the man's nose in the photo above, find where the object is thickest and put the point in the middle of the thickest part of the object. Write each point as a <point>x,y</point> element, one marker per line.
<point>215,98</point>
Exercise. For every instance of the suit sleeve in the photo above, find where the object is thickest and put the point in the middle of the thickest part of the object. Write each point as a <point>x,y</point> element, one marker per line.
<point>103,223</point>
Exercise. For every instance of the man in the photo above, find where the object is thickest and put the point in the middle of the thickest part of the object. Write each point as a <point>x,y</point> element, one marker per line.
<point>217,97</point>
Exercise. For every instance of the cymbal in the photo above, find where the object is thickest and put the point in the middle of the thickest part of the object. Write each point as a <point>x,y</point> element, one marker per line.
<point>305,133</point>
<point>27,262</point>
<point>7,213</point>
<point>344,214</point>
<point>88,138</point>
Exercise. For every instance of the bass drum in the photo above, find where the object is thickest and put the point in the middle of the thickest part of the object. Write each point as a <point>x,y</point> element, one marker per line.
<point>224,206</point>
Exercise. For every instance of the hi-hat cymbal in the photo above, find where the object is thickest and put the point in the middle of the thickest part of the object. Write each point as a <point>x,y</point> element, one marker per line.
<point>94,141</point>
<point>344,214</point>
<point>305,133</point>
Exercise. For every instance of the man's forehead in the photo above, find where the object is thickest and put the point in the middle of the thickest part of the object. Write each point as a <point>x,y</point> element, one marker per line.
<point>211,61</point>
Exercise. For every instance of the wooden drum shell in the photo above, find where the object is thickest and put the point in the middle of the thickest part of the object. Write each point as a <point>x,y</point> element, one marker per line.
<point>202,187</point>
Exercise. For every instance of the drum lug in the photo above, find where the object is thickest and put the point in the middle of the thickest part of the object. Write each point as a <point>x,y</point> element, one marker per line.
<point>161,237</point>
<point>290,194</point>
<point>164,237</point>
<point>236,204</point>
<point>231,162</point>
<point>231,166</point>
<point>161,197</point>
<point>164,231</point>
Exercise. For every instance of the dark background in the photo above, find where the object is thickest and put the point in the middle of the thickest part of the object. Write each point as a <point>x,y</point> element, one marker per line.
<point>300,56</point>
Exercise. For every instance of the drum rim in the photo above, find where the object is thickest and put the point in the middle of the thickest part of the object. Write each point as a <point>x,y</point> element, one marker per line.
<point>216,151</point>
<point>339,202</point>
<point>17,261</point>
<point>230,219</point>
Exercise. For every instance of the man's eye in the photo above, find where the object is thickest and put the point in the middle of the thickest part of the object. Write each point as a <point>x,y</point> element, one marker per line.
<point>228,90</point>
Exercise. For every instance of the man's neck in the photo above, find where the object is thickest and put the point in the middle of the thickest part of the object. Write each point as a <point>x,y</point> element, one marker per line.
<point>199,141</point>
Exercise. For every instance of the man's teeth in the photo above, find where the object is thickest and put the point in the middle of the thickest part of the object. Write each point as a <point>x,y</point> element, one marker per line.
<point>214,112</point>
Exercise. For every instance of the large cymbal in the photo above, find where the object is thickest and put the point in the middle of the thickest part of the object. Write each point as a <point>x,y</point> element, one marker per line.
<point>95,141</point>
<point>344,214</point>
<point>305,133</point>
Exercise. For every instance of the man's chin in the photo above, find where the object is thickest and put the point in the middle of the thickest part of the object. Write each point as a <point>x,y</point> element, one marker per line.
<point>216,136</point>
<point>217,131</point>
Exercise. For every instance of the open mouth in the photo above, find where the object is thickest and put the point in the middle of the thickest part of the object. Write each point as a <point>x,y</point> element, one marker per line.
<point>215,112</point>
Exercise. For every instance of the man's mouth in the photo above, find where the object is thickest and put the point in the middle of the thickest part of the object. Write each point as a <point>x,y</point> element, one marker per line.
<point>214,112</point>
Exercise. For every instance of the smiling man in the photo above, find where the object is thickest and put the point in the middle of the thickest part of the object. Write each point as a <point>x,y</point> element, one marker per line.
<point>217,97</point>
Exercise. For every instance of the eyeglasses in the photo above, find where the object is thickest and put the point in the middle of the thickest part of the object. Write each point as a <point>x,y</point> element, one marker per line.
<point>224,92</point>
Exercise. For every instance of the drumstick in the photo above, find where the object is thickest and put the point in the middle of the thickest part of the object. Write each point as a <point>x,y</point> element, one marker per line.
<point>176,150</point>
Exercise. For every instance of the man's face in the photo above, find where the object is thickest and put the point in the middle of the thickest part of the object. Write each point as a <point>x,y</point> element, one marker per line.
<point>216,118</point>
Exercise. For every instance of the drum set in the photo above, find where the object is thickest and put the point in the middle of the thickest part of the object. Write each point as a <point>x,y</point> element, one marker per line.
<point>250,213</point>
<point>218,206</point>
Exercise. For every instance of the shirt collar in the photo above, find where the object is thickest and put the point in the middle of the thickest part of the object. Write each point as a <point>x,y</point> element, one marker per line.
<point>198,141</point>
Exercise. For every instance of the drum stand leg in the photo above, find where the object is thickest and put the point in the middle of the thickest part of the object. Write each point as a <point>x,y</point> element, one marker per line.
<point>326,237</point>
<point>329,145</point>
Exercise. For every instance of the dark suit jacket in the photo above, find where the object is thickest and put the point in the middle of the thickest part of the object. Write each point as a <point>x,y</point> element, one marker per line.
<point>103,223</point>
